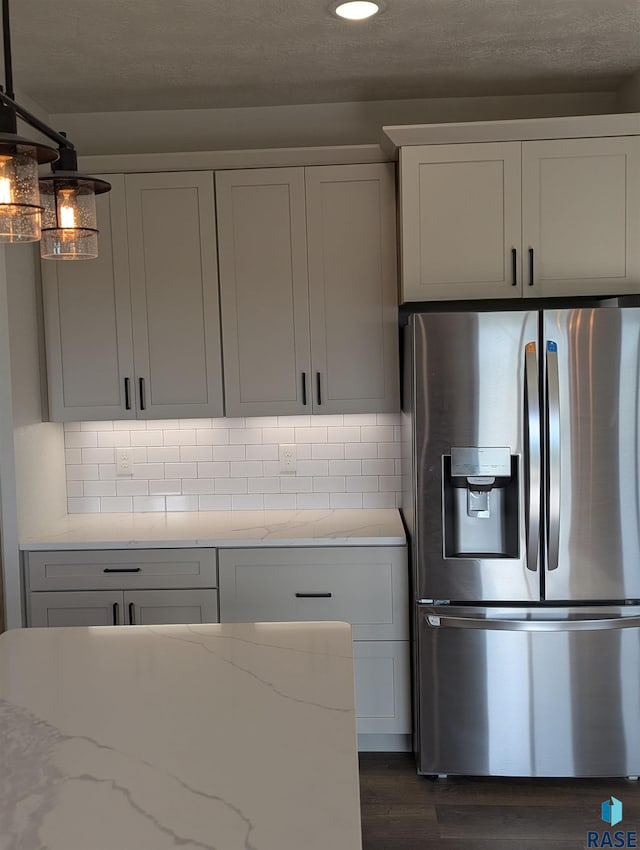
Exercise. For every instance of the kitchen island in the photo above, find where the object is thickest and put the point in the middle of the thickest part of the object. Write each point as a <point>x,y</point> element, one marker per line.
<point>207,737</point>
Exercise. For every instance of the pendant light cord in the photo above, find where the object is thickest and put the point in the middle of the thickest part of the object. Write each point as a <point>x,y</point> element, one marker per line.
<point>6,42</point>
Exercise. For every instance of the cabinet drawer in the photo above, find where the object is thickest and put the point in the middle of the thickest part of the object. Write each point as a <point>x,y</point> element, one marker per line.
<point>119,568</point>
<point>382,686</point>
<point>366,587</point>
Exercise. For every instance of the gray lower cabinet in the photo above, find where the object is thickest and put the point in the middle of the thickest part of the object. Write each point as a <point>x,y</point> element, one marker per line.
<point>123,608</point>
<point>121,587</point>
<point>364,586</point>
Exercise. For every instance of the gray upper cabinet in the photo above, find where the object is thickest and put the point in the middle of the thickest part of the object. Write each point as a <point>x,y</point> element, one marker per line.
<point>520,219</point>
<point>88,323</point>
<point>264,290</point>
<point>308,289</point>
<point>136,332</point>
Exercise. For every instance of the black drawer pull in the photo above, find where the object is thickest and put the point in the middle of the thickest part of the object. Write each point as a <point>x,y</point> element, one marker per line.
<point>122,570</point>
<point>116,614</point>
<point>132,614</point>
<point>314,595</point>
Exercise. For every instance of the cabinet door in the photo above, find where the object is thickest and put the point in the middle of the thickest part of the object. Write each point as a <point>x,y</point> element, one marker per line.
<point>88,323</point>
<point>174,294</point>
<point>383,686</point>
<point>264,291</point>
<point>460,221</point>
<point>351,235</point>
<point>76,608</point>
<point>581,216</point>
<point>158,607</point>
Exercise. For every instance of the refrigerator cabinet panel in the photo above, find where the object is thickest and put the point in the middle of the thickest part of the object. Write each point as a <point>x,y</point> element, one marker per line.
<point>528,691</point>
<point>474,416</point>
<point>592,504</point>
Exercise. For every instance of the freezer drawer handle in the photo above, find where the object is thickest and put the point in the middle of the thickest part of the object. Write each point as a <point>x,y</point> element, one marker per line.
<point>533,445</point>
<point>122,570</point>
<point>587,625</point>
<point>314,595</point>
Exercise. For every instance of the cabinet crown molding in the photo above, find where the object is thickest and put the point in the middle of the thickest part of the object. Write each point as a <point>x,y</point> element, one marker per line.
<point>526,129</point>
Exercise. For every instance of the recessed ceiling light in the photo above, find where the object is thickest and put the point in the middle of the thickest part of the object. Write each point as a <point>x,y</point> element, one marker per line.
<point>357,10</point>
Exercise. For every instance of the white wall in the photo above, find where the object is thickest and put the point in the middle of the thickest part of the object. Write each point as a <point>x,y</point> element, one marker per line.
<point>39,446</point>
<point>303,126</point>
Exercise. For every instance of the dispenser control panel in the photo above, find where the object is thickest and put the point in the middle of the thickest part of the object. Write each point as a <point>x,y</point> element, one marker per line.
<point>471,461</point>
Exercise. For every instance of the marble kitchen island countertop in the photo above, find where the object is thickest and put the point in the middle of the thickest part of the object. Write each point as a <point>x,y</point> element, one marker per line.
<point>220,529</point>
<point>207,737</point>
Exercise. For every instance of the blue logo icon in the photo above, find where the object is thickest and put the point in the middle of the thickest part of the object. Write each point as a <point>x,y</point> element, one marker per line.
<point>612,811</point>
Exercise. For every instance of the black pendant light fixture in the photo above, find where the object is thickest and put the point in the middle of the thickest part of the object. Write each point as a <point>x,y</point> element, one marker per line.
<point>67,224</point>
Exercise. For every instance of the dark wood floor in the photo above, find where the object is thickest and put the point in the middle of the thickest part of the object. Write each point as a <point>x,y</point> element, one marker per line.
<point>403,811</point>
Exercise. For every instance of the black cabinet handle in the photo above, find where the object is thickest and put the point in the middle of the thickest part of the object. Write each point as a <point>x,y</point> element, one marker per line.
<point>142,394</point>
<point>122,569</point>
<point>318,388</point>
<point>127,393</point>
<point>132,614</point>
<point>514,267</point>
<point>314,595</point>
<point>530,266</point>
<point>304,388</point>
<point>116,614</point>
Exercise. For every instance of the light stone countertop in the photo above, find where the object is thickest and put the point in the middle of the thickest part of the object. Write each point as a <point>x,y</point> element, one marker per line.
<point>220,529</point>
<point>207,737</point>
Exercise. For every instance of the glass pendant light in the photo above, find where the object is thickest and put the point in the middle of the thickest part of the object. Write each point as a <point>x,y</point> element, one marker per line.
<point>69,228</point>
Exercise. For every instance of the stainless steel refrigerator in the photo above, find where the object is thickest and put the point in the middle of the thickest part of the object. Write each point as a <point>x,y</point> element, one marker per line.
<point>522,501</point>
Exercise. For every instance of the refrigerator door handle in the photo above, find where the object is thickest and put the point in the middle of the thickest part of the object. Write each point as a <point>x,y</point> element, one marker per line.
<point>586,625</point>
<point>553,449</point>
<point>533,446</point>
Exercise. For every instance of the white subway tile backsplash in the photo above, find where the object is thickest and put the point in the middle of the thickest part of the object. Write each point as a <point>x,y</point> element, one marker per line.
<point>228,453</point>
<point>181,470</point>
<point>149,503</point>
<point>116,504</point>
<point>247,503</point>
<point>345,467</point>
<point>147,438</point>
<point>312,501</point>
<point>214,469</point>
<point>165,487</point>
<point>222,486</point>
<point>81,440</point>
<point>214,503</point>
<point>128,487</point>
<point>327,451</point>
<point>182,503</point>
<point>180,438</point>
<point>263,485</point>
<point>345,500</point>
<point>279,502</point>
<point>197,486</point>
<point>343,461</point>
<point>195,453</point>
<point>163,454</point>
<point>245,436</point>
<point>361,450</point>
<point>100,488</point>
<point>98,455</point>
<point>362,484</point>
<point>346,434</point>
<point>75,489</point>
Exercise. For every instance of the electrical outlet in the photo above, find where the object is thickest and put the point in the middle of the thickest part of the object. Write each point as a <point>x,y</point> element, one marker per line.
<point>124,463</point>
<point>288,459</point>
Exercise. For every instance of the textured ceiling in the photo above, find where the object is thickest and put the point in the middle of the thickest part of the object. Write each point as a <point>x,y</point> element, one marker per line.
<point>103,55</point>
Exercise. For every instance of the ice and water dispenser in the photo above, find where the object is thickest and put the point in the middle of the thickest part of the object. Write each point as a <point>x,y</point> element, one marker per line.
<point>480,502</point>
